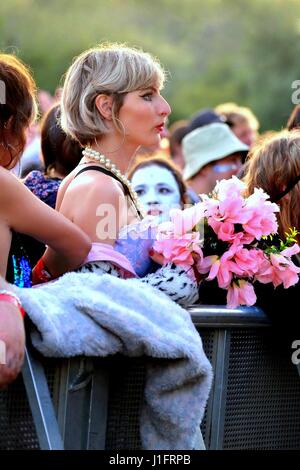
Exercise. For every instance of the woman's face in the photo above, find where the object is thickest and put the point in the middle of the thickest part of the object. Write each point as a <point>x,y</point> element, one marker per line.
<point>157,190</point>
<point>143,115</point>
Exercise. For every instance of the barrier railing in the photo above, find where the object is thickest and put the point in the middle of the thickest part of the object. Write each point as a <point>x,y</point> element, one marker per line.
<point>94,403</point>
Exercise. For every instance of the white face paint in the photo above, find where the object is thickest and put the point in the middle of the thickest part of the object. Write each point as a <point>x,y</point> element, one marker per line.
<point>157,190</point>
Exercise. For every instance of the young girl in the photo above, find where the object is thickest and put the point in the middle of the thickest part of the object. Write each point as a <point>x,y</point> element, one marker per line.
<point>159,185</point>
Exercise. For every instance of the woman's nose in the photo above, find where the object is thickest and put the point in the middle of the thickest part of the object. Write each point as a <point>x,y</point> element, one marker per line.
<point>153,202</point>
<point>165,108</point>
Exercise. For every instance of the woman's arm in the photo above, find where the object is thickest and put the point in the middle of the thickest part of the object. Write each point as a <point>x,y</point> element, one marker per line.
<point>12,336</point>
<point>12,339</point>
<point>25,213</point>
<point>12,342</point>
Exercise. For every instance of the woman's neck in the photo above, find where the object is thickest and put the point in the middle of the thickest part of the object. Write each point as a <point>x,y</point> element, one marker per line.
<point>119,152</point>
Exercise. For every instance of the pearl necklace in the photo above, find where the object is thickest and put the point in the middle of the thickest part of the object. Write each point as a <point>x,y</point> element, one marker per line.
<point>99,158</point>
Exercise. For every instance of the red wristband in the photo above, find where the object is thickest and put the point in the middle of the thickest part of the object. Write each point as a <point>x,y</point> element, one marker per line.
<point>11,298</point>
<point>40,274</point>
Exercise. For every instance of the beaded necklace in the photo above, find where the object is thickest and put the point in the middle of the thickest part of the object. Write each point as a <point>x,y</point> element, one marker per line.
<point>99,158</point>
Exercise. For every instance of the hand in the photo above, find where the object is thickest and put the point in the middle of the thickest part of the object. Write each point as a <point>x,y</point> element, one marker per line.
<point>40,273</point>
<point>156,257</point>
<point>12,342</point>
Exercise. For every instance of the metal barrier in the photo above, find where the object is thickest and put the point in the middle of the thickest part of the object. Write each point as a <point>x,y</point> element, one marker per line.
<point>94,403</point>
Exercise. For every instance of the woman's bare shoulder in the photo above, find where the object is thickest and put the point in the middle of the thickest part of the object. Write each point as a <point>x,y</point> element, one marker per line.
<point>96,183</point>
<point>85,193</point>
<point>10,186</point>
<point>7,177</point>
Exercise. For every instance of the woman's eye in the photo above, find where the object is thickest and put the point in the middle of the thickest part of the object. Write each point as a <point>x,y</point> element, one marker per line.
<point>147,96</point>
<point>140,192</point>
<point>164,191</point>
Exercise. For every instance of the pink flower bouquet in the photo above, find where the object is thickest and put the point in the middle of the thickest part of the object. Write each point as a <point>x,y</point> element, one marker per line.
<point>233,239</point>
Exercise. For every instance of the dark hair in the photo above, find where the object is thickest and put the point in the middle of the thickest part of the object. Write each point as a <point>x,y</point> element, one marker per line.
<point>60,152</point>
<point>294,119</point>
<point>177,131</point>
<point>17,105</point>
<point>143,162</point>
<point>203,118</point>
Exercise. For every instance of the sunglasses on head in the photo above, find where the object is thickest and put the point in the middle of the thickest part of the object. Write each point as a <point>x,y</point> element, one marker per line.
<point>287,189</point>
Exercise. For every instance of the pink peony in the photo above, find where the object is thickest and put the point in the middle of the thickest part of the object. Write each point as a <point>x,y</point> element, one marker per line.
<point>256,214</point>
<point>224,230</point>
<point>249,260</point>
<point>240,292</point>
<point>284,271</point>
<point>237,221</point>
<point>291,250</point>
<point>223,268</point>
<point>204,265</point>
<point>233,210</point>
<point>185,220</point>
<point>179,250</point>
<point>279,269</point>
<point>230,188</point>
<point>262,219</point>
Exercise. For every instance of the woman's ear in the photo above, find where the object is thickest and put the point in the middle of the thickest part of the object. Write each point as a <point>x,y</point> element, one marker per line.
<point>104,105</point>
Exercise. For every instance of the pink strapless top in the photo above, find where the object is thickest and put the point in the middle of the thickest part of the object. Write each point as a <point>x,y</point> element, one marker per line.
<point>104,252</point>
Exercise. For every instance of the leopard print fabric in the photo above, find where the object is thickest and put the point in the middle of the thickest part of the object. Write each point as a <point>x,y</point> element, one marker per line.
<point>170,279</point>
<point>174,282</point>
<point>100,267</point>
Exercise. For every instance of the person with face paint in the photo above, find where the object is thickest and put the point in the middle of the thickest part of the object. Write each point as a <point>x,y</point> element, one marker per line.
<point>159,186</point>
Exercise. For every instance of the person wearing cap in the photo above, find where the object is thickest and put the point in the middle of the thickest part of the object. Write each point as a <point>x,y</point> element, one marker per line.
<point>203,118</point>
<point>211,153</point>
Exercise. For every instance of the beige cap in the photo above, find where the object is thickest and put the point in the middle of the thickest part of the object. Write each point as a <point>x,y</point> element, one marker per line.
<point>208,144</point>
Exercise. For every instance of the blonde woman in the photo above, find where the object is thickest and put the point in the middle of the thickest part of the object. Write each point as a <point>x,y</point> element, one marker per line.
<point>112,105</point>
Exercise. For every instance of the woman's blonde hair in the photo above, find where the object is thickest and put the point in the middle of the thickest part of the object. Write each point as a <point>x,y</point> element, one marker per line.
<point>274,165</point>
<point>112,69</point>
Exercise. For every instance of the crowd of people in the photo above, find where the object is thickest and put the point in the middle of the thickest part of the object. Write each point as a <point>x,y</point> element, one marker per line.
<point>101,161</point>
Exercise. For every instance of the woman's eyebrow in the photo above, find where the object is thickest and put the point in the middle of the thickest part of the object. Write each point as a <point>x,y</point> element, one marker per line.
<point>164,184</point>
<point>151,87</point>
<point>140,186</point>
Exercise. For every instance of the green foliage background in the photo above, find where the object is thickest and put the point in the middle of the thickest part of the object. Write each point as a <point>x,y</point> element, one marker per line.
<point>215,50</point>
